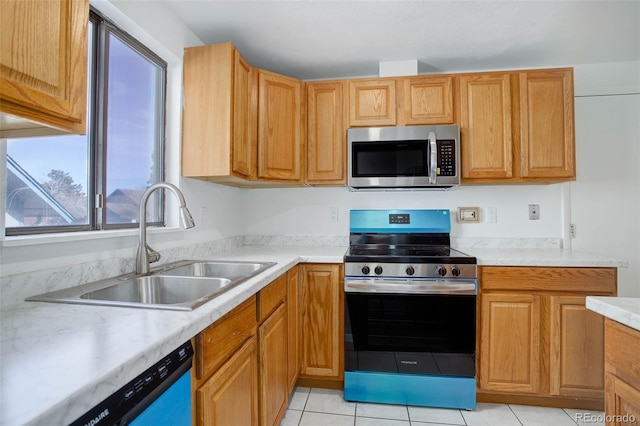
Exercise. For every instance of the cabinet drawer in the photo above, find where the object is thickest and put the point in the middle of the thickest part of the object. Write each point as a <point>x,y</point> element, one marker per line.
<point>221,339</point>
<point>271,296</point>
<point>516,278</point>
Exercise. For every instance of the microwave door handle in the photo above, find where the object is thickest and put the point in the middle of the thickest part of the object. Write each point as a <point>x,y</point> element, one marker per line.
<point>433,160</point>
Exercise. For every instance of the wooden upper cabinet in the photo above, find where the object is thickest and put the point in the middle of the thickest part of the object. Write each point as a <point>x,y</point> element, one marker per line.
<point>244,159</point>
<point>326,133</point>
<point>547,124</point>
<point>485,126</point>
<point>218,120</point>
<point>372,102</point>
<point>428,100</point>
<point>43,65</point>
<point>279,127</point>
<point>517,126</point>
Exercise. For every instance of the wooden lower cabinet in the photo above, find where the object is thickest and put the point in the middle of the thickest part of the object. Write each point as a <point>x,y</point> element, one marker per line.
<point>272,341</point>
<point>230,395</point>
<point>510,336</point>
<point>622,374</point>
<point>294,319</point>
<point>577,342</point>
<point>225,378</point>
<point>322,323</point>
<point>538,344</point>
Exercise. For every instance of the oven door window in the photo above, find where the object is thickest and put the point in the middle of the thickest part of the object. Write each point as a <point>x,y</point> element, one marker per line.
<point>412,334</point>
<point>389,159</point>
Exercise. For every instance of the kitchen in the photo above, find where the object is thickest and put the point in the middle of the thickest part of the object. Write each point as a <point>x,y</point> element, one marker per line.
<point>284,215</point>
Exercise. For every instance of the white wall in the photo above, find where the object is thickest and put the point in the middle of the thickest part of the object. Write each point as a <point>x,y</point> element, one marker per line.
<point>307,211</point>
<point>605,199</point>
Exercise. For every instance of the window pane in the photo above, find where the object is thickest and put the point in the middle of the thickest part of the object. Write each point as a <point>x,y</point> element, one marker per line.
<point>47,181</point>
<point>133,118</point>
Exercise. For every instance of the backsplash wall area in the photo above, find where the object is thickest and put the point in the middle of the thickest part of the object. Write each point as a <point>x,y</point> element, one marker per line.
<point>308,211</point>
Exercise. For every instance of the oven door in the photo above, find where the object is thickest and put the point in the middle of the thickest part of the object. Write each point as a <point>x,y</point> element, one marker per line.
<point>427,332</point>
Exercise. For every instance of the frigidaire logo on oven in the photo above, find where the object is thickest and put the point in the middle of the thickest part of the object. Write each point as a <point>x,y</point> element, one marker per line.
<point>403,361</point>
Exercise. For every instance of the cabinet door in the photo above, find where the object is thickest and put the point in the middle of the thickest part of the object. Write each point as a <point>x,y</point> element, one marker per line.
<point>577,348</point>
<point>244,141</point>
<point>428,100</point>
<point>622,366</point>
<point>279,137</point>
<point>622,402</point>
<point>43,61</point>
<point>546,116</point>
<point>372,102</point>
<point>230,396</point>
<point>326,134</point>
<point>274,390</point>
<point>293,328</point>
<point>322,326</point>
<point>510,343</point>
<point>485,126</point>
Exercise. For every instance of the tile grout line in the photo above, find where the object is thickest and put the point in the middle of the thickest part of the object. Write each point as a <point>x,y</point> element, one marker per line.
<point>514,413</point>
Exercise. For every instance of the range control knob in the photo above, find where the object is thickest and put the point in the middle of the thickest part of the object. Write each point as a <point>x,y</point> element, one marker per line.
<point>441,270</point>
<point>455,271</point>
<point>378,270</point>
<point>366,270</point>
<point>410,270</point>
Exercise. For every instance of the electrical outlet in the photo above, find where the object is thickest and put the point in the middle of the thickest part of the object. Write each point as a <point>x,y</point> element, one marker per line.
<point>334,214</point>
<point>572,231</point>
<point>492,215</point>
<point>534,211</point>
<point>468,214</point>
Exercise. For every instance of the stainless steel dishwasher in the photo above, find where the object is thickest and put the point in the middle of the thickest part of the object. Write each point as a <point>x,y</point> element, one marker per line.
<point>161,395</point>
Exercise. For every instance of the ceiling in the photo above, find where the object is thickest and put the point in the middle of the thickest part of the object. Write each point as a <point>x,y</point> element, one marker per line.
<point>312,39</point>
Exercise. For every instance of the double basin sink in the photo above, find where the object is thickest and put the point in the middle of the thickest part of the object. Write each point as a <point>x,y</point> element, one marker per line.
<point>183,285</point>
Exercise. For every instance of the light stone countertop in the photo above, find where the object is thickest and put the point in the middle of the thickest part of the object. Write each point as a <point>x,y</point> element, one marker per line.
<point>59,360</point>
<point>541,257</point>
<point>625,310</point>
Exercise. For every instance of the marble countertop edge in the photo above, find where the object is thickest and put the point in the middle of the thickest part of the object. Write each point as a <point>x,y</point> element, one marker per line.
<point>625,310</point>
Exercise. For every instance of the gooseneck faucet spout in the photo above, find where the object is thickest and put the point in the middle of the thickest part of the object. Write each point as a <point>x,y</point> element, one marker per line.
<point>146,254</point>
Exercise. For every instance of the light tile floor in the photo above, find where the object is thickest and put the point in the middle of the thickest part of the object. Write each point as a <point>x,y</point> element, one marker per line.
<point>324,407</point>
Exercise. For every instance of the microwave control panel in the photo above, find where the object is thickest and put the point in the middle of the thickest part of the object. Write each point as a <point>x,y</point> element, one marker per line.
<point>446,157</point>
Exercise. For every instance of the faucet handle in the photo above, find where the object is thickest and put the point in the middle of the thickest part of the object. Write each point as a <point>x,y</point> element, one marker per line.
<point>154,256</point>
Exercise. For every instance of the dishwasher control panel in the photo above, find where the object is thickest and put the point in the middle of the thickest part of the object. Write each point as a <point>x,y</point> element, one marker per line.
<point>131,399</point>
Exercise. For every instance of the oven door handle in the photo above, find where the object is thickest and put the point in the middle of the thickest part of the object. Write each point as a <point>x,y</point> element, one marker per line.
<point>411,286</point>
<point>433,160</point>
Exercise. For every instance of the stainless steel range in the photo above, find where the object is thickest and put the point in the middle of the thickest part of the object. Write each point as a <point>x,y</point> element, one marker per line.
<point>410,311</point>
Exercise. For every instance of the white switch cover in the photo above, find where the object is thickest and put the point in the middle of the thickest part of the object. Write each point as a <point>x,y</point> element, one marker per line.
<point>492,215</point>
<point>334,214</point>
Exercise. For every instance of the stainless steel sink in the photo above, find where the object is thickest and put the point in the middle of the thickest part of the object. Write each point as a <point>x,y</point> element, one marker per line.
<point>181,285</point>
<point>159,290</point>
<point>213,269</point>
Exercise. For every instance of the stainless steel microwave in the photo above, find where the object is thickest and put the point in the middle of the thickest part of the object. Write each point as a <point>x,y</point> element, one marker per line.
<point>410,158</point>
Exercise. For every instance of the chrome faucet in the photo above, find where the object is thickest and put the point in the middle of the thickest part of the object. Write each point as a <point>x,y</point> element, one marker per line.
<point>146,254</point>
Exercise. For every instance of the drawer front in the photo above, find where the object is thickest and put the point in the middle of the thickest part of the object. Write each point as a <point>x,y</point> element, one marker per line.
<point>271,296</point>
<point>517,278</point>
<point>220,340</point>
